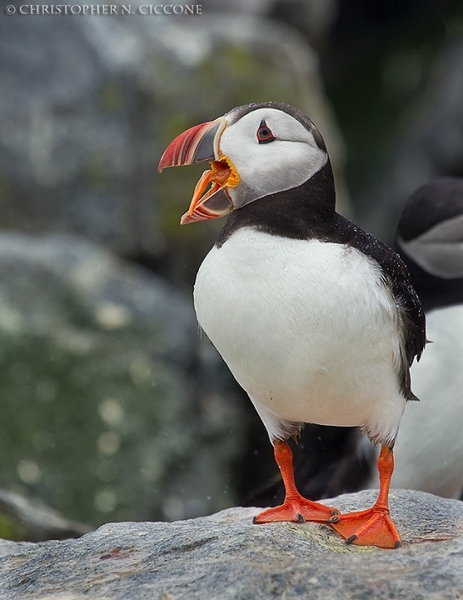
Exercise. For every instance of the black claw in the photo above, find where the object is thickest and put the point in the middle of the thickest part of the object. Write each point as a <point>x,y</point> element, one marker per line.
<point>351,539</point>
<point>300,518</point>
<point>398,544</point>
<point>254,520</point>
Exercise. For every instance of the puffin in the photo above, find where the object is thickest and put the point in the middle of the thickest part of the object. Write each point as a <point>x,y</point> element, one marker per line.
<point>430,241</point>
<point>316,319</point>
<point>429,448</point>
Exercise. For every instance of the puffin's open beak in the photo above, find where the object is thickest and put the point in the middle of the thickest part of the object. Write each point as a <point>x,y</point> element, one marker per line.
<point>201,144</point>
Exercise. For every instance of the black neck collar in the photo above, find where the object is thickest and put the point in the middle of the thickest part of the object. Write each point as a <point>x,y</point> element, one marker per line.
<point>304,212</point>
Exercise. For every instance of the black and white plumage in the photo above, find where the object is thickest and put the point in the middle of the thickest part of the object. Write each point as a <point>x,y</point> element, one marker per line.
<point>316,319</point>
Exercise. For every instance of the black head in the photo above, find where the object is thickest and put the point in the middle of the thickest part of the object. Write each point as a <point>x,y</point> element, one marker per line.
<point>430,241</point>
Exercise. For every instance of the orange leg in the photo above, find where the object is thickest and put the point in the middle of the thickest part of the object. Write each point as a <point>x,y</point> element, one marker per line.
<point>295,507</point>
<point>373,527</point>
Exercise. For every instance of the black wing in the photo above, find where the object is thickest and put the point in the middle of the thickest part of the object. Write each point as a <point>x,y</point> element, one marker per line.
<point>397,276</point>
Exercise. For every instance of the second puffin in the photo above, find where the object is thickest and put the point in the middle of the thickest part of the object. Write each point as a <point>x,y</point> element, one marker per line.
<point>316,319</point>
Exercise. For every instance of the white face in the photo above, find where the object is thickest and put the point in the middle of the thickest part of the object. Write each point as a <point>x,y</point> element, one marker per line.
<point>439,251</point>
<point>267,167</point>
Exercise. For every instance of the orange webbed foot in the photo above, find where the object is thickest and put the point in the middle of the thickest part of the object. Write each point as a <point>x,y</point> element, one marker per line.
<point>297,510</point>
<point>372,527</point>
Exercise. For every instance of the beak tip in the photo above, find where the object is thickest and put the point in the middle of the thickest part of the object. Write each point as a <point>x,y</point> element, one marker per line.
<point>163,163</point>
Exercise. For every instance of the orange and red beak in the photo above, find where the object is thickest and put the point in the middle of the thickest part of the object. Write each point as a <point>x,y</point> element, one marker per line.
<point>201,144</point>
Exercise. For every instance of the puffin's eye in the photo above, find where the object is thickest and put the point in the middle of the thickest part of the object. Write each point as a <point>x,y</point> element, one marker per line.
<point>264,133</point>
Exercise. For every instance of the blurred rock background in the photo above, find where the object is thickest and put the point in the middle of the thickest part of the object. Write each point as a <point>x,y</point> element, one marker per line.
<point>112,407</point>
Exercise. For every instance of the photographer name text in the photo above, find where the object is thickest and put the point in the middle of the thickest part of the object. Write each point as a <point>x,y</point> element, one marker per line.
<point>105,9</point>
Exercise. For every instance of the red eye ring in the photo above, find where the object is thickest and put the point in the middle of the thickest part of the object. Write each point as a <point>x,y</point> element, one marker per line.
<point>264,133</point>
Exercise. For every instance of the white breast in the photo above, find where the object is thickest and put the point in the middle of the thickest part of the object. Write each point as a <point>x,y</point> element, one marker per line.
<point>307,328</point>
<point>429,449</point>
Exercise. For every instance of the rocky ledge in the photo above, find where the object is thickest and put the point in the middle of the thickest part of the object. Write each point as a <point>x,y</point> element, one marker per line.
<point>225,556</point>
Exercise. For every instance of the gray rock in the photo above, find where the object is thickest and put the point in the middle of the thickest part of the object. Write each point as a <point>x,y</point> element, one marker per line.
<point>225,557</point>
<point>106,410</point>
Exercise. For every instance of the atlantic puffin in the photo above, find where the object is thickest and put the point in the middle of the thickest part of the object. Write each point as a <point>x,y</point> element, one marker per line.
<point>430,241</point>
<point>429,448</point>
<point>316,319</point>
